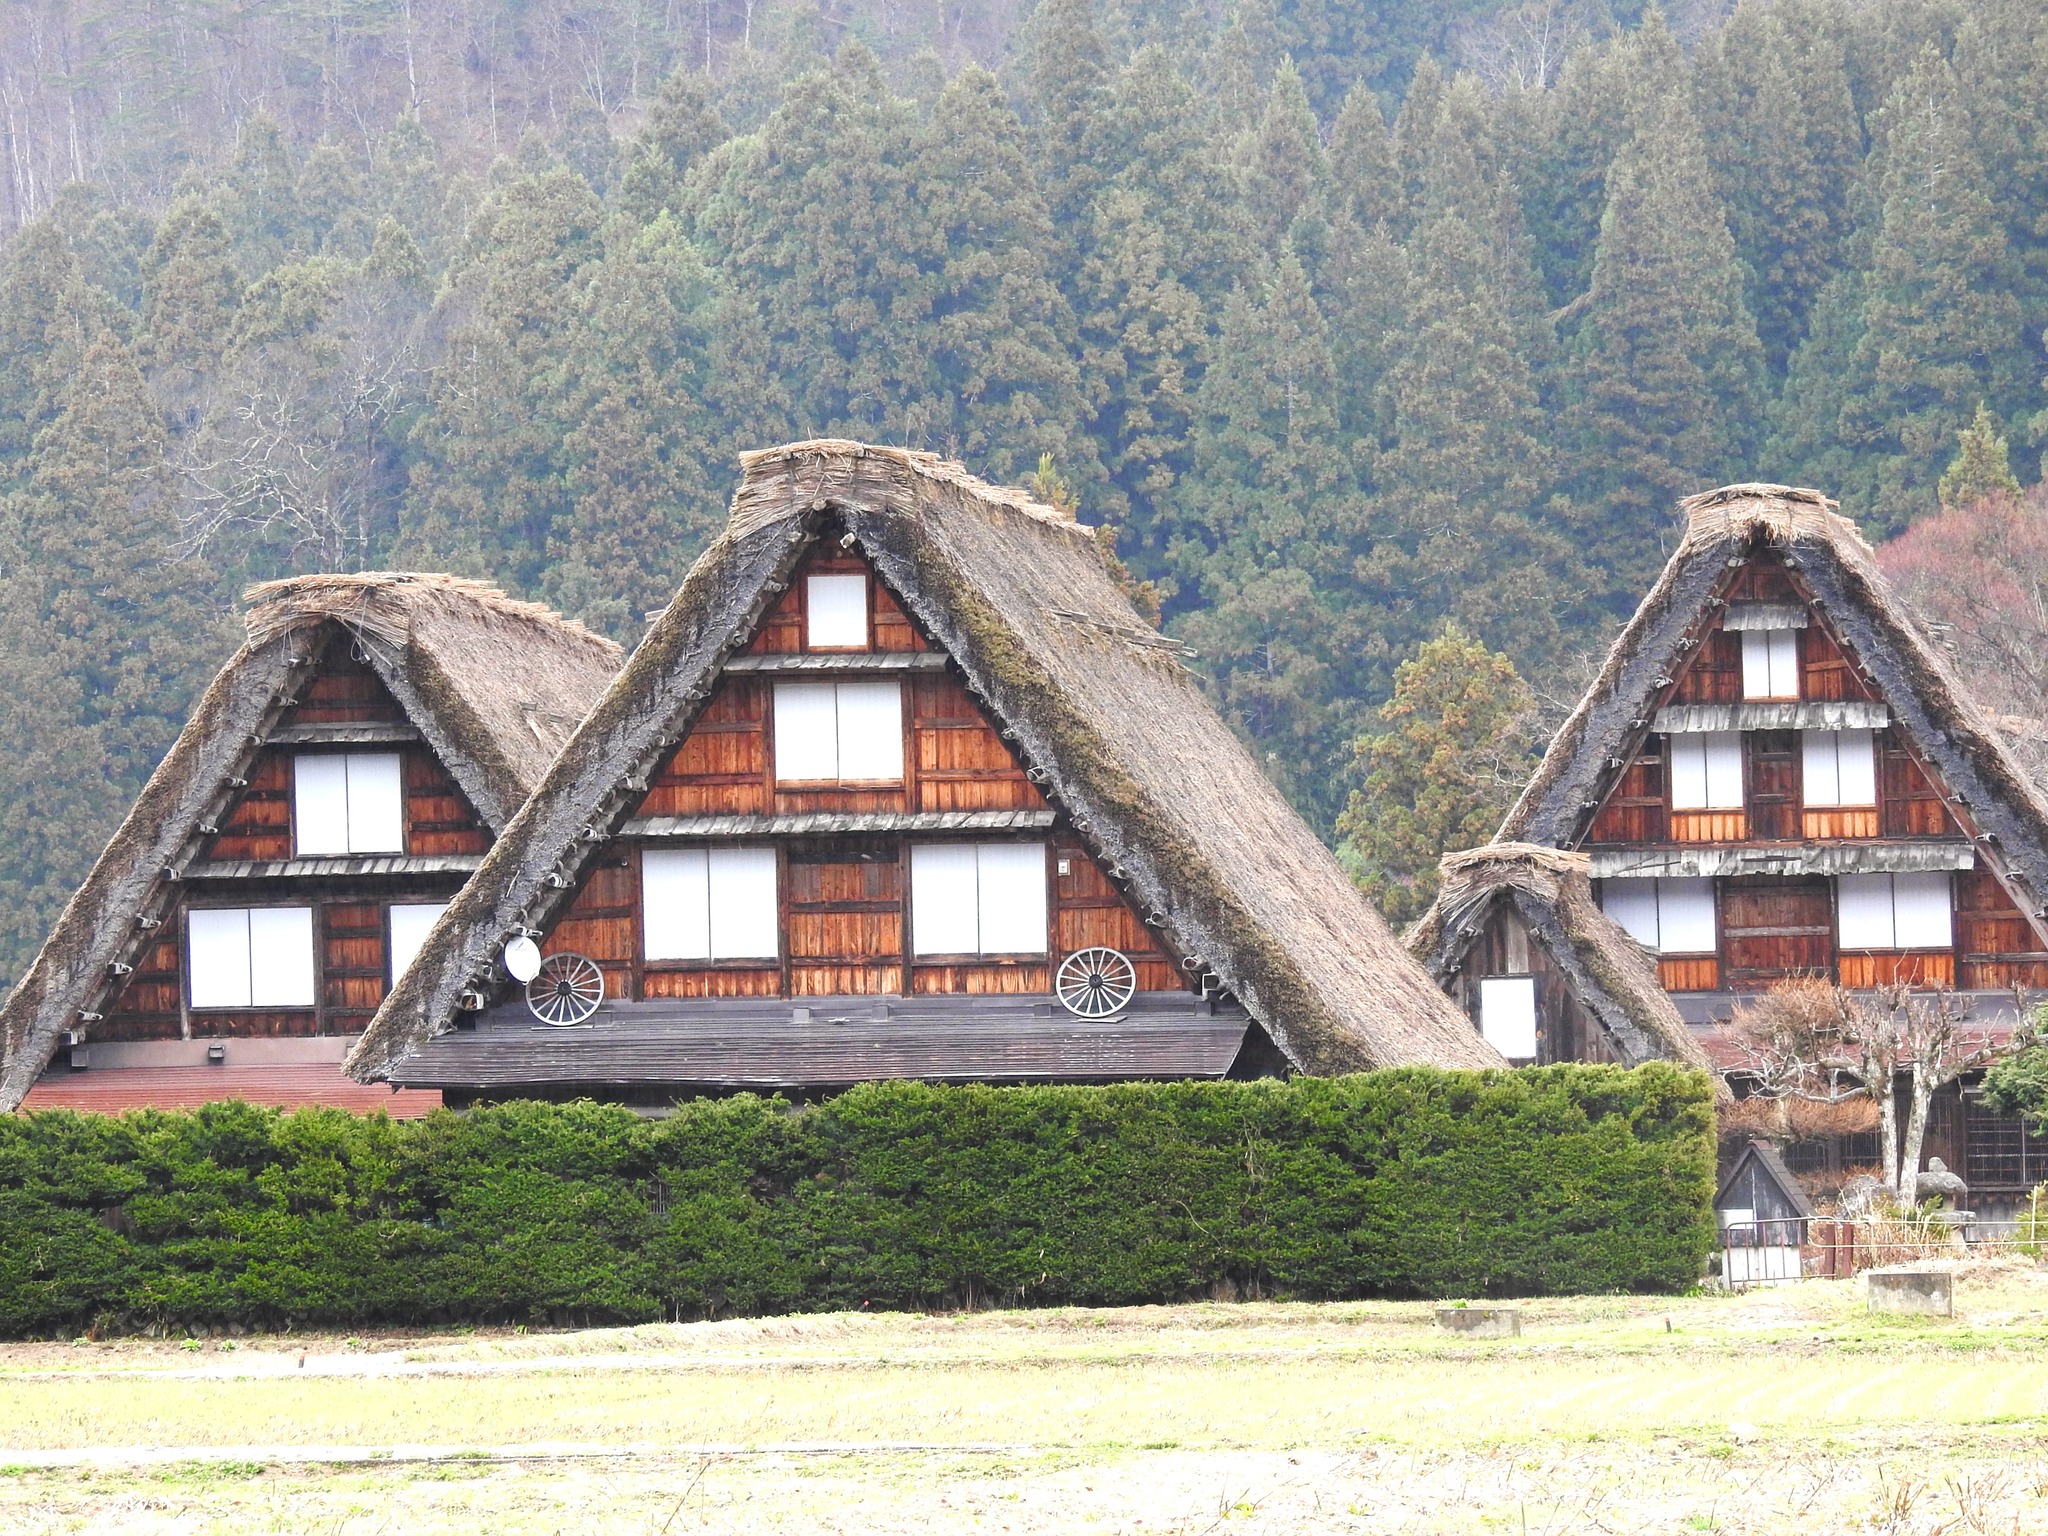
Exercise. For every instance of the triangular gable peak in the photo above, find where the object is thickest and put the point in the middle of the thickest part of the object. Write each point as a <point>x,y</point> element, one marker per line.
<point>1009,611</point>
<point>392,664</point>
<point>1515,928</point>
<point>1772,622</point>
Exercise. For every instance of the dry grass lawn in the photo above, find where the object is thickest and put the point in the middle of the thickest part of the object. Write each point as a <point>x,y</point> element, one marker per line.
<point>1787,1409</point>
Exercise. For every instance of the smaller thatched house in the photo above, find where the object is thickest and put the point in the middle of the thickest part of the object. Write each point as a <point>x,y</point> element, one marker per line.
<point>340,778</point>
<point>1517,939</point>
<point>896,779</point>
<point>1777,775</point>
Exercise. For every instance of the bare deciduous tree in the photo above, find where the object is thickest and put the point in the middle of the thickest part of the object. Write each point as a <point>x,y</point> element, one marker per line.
<point>1809,1039</point>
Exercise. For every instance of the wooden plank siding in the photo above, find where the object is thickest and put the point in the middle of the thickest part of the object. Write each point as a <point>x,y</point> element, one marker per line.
<point>1639,809</point>
<point>1773,928</point>
<point>350,925</point>
<point>844,900</point>
<point>1689,973</point>
<point>1772,785</point>
<point>1995,944</point>
<point>1908,803</point>
<point>1503,947</point>
<point>1864,968</point>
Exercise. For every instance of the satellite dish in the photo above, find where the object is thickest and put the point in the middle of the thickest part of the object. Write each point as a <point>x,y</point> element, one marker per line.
<point>522,958</point>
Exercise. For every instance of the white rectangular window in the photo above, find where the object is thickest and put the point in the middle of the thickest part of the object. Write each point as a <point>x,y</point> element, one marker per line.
<point>709,904</point>
<point>250,957</point>
<point>1507,1015</point>
<point>838,732</point>
<point>1838,768</point>
<point>978,898</point>
<point>410,924</point>
<point>1670,916</point>
<point>1706,771</point>
<point>837,612</point>
<point>1770,663</point>
<point>348,802</point>
<point>1909,911</point>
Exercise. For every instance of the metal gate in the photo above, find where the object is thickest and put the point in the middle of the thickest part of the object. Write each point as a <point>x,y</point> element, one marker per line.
<point>1762,1252</point>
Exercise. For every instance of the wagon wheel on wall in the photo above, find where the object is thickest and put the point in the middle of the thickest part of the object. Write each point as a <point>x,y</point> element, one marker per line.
<point>565,990</point>
<point>1096,983</point>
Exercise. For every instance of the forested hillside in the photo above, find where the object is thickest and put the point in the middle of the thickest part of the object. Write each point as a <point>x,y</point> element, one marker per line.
<point>1357,321</point>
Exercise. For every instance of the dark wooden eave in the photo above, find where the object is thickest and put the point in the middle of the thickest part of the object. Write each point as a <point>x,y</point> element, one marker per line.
<point>723,1044</point>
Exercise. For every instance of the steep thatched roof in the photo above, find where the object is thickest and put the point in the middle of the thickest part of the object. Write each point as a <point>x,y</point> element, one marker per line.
<point>1824,554</point>
<point>493,685</point>
<point>1612,976</point>
<point>1097,704</point>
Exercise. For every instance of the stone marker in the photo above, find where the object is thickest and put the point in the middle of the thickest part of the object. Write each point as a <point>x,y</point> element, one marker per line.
<point>1904,1289</point>
<point>1481,1322</point>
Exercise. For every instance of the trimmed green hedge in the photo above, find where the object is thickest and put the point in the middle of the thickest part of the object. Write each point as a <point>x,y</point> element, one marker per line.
<point>1403,1183</point>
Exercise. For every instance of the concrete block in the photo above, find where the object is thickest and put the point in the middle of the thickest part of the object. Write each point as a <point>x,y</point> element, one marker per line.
<point>1481,1321</point>
<point>1904,1289</point>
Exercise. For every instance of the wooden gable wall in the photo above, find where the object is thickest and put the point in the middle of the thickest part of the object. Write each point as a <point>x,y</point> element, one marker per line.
<point>1505,946</point>
<point>844,897</point>
<point>349,923</point>
<point>1772,927</point>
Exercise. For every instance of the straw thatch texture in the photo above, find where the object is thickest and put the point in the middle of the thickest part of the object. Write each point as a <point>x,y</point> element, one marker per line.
<point>1826,554</point>
<point>491,684</point>
<point>1096,702</point>
<point>1613,978</point>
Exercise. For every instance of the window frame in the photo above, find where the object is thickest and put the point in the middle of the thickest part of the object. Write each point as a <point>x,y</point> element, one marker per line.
<point>1732,771</point>
<point>1807,741</point>
<point>349,850</point>
<point>1535,1024</point>
<point>1931,878</point>
<point>867,611</point>
<point>838,687</point>
<point>1703,884</point>
<point>1764,644</point>
<point>712,959</point>
<point>918,954</point>
<point>249,950</point>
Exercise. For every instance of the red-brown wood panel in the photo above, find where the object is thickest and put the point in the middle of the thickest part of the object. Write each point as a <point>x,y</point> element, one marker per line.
<point>1772,763</point>
<point>254,1024</point>
<point>1826,672</point>
<point>258,823</point>
<point>1762,581</point>
<point>721,768</point>
<point>1908,803</point>
<point>147,1004</point>
<point>1636,812</point>
<point>782,629</point>
<point>1773,928</point>
<point>1709,827</point>
<point>1003,976</point>
<point>1089,910</point>
<point>352,964</point>
<point>845,915</point>
<point>1997,946</point>
<point>342,689</point>
<point>1828,823</point>
<point>1689,973</point>
<point>1865,968</point>
<point>962,764</point>
<point>438,816</point>
<point>895,630</point>
<point>711,981</point>
<point>1714,674</point>
<point>603,922</point>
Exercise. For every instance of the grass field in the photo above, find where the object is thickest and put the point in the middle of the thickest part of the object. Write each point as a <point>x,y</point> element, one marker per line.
<point>1778,1410</point>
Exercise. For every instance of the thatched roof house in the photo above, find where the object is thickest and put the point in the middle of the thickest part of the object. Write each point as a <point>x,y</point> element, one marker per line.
<point>1803,535</point>
<point>1003,623</point>
<point>1520,915</point>
<point>461,693</point>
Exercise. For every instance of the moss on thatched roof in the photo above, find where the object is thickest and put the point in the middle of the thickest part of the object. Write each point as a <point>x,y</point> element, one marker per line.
<point>1824,554</point>
<point>493,685</point>
<point>1096,702</point>
<point>1613,977</point>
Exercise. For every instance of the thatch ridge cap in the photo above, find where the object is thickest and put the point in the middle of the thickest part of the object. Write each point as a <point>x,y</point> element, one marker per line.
<point>756,464</point>
<point>355,597</point>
